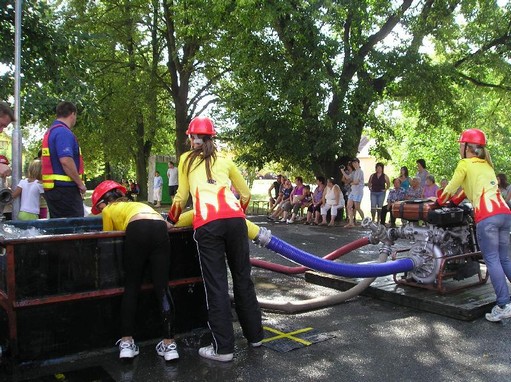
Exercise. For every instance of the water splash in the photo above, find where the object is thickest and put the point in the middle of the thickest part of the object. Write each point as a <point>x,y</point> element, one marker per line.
<point>8,231</point>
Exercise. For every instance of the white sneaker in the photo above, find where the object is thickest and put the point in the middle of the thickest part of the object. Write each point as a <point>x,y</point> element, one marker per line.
<point>210,353</point>
<point>169,352</point>
<point>256,344</point>
<point>127,349</point>
<point>498,313</point>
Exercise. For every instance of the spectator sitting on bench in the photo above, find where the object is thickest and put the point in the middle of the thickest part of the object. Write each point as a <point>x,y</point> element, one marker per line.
<point>395,195</point>
<point>305,203</point>
<point>285,193</point>
<point>295,199</point>
<point>314,210</point>
<point>415,190</point>
<point>275,189</point>
<point>333,199</point>
<point>133,190</point>
<point>430,189</point>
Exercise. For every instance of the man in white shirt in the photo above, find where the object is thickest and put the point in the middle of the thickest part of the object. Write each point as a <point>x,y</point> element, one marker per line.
<point>173,183</point>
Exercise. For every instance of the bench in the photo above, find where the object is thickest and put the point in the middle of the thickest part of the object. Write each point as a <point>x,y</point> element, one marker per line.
<point>258,207</point>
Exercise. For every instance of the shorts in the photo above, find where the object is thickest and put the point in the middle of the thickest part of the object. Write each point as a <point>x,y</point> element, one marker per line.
<point>377,199</point>
<point>172,190</point>
<point>22,215</point>
<point>286,205</point>
<point>355,198</point>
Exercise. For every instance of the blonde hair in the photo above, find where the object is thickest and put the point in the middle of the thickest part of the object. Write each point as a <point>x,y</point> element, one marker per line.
<point>34,170</point>
<point>480,151</point>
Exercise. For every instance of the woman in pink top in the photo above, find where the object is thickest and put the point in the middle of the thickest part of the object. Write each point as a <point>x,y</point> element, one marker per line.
<point>430,188</point>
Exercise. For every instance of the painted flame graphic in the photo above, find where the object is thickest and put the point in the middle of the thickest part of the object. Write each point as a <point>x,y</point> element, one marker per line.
<point>208,212</point>
<point>489,206</point>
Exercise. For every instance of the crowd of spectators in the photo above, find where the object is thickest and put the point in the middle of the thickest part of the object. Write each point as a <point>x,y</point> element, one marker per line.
<point>321,206</point>
<point>329,202</point>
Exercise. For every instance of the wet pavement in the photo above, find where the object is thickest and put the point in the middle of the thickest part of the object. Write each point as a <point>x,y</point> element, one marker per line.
<point>363,338</point>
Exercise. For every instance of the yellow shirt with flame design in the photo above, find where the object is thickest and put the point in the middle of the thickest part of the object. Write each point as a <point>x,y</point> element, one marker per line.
<point>477,179</point>
<point>212,200</point>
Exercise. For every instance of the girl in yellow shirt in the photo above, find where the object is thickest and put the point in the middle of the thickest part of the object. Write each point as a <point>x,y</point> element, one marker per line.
<point>476,176</point>
<point>220,232</point>
<point>146,243</point>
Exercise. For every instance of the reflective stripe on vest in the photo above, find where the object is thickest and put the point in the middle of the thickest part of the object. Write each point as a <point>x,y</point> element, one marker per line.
<point>48,175</point>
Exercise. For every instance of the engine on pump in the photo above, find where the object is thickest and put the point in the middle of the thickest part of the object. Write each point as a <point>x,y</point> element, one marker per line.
<point>444,243</point>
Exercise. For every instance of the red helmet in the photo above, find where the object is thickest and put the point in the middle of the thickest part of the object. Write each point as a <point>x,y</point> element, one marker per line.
<point>475,136</point>
<point>201,126</point>
<point>3,159</point>
<point>100,191</point>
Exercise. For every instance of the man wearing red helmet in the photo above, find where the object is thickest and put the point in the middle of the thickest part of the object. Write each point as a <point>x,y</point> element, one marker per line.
<point>475,175</point>
<point>146,242</point>
<point>220,232</point>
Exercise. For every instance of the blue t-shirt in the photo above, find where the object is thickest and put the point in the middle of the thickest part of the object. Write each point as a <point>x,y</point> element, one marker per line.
<point>62,143</point>
<point>158,182</point>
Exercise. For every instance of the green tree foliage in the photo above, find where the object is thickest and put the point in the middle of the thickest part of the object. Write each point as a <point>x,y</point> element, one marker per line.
<point>127,115</point>
<point>308,77</point>
<point>465,84</point>
<point>295,82</point>
<point>43,53</point>
<point>192,32</point>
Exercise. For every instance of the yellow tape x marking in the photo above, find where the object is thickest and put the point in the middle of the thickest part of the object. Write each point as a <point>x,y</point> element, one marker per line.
<point>289,335</point>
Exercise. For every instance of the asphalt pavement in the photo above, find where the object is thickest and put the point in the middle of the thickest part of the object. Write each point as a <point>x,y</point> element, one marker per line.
<point>363,339</point>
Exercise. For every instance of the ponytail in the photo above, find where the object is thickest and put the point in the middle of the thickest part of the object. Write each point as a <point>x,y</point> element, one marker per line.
<point>206,153</point>
<point>480,151</point>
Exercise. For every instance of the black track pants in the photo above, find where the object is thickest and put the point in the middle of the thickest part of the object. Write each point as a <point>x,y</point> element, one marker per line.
<point>147,242</point>
<point>216,241</point>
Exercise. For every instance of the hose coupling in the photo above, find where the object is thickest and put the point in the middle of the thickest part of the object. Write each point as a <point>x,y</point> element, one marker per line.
<point>263,237</point>
<point>386,249</point>
<point>5,196</point>
<point>378,231</point>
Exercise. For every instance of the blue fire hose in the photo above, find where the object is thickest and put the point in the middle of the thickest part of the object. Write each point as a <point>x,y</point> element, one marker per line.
<point>339,269</point>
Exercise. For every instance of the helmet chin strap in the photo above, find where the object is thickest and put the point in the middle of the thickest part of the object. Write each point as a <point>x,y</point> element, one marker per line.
<point>464,150</point>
